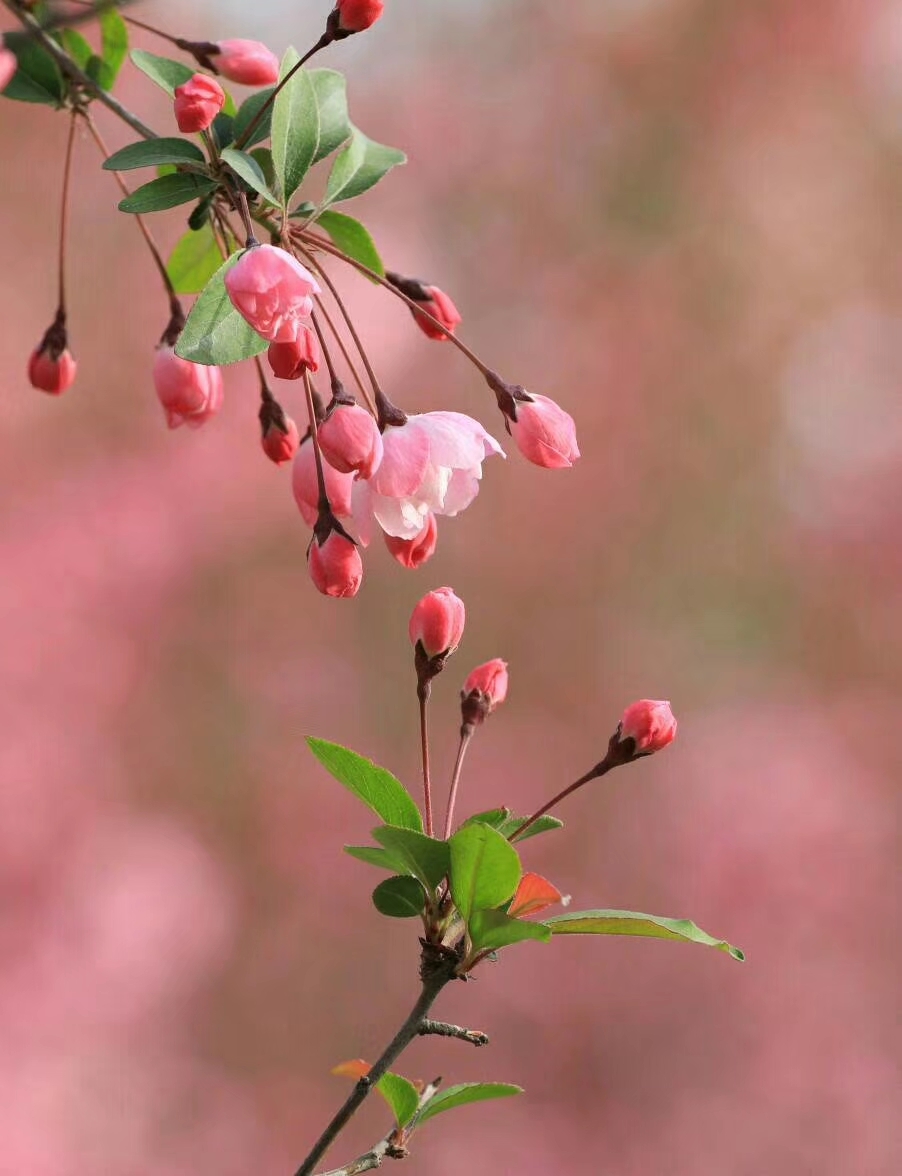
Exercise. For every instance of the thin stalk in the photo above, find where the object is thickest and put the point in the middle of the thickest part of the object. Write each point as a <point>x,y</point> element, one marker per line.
<point>327,354</point>
<point>352,367</point>
<point>64,216</point>
<point>466,734</point>
<point>599,770</point>
<point>424,689</point>
<point>326,39</point>
<point>314,437</point>
<point>138,24</point>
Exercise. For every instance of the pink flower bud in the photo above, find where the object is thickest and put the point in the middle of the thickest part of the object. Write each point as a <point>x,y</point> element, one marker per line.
<point>437,622</point>
<point>534,894</point>
<point>305,486</point>
<point>413,553</point>
<point>249,63</point>
<point>350,440</point>
<point>440,306</point>
<point>8,65</point>
<point>290,360</point>
<point>190,392</point>
<point>356,15</point>
<point>50,371</point>
<point>489,680</point>
<point>197,103</point>
<point>271,291</point>
<point>280,445</point>
<point>335,568</point>
<point>544,433</point>
<point>650,723</point>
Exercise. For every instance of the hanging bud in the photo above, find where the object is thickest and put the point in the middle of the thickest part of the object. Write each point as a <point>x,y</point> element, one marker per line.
<point>51,367</point>
<point>271,291</point>
<point>650,724</point>
<point>279,433</point>
<point>432,301</point>
<point>249,63</point>
<point>484,689</point>
<point>437,623</point>
<point>335,566</point>
<point>353,16</point>
<point>190,393</point>
<point>305,485</point>
<point>197,103</point>
<point>413,553</point>
<point>350,439</point>
<point>543,432</point>
<point>290,360</point>
<point>8,65</point>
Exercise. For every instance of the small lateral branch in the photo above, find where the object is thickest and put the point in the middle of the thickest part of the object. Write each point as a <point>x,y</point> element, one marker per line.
<point>444,1029</point>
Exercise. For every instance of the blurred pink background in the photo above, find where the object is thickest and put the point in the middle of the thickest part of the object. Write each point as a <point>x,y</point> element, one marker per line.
<point>682,220</point>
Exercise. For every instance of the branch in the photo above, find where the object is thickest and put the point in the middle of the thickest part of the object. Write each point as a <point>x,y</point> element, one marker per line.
<point>443,1029</point>
<point>393,1145</point>
<point>72,71</point>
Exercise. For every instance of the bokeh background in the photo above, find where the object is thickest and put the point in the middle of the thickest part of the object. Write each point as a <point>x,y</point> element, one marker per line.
<point>682,219</point>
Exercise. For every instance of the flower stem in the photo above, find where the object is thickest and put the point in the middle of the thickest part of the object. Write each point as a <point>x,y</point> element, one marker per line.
<point>325,39</point>
<point>64,215</point>
<point>324,504</point>
<point>424,689</point>
<point>352,367</point>
<point>466,735</point>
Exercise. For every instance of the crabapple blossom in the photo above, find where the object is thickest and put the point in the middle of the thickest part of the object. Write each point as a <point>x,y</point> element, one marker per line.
<point>50,371</point>
<point>250,63</point>
<point>650,724</point>
<point>437,622</point>
<point>335,566</point>
<point>289,360</point>
<point>350,440</point>
<point>305,485</point>
<point>190,392</point>
<point>197,103</point>
<point>413,553</point>
<point>280,445</point>
<point>544,433</point>
<point>271,291</point>
<point>356,15</point>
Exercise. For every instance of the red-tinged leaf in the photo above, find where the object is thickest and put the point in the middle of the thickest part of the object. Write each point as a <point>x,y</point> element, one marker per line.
<point>534,894</point>
<point>356,1068</point>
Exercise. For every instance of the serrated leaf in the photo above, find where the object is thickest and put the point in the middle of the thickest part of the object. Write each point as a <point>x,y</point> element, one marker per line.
<point>464,1093</point>
<point>375,786</point>
<point>167,192</point>
<point>163,70</point>
<point>375,856</point>
<point>358,166</point>
<point>401,1095</point>
<point>247,112</point>
<point>491,930</point>
<point>215,332</point>
<point>113,47</point>
<point>151,152</point>
<point>604,922</point>
<point>485,869</point>
<point>76,46</point>
<point>295,127</point>
<point>427,858</point>
<point>37,78</point>
<point>249,170</point>
<point>400,897</point>
<point>352,238</point>
<point>506,823</point>
<point>332,101</point>
<point>193,261</point>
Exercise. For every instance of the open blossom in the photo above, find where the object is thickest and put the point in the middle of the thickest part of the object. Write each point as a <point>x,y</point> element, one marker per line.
<point>197,103</point>
<point>249,63</point>
<point>544,433</point>
<point>350,440</point>
<point>437,622</point>
<point>433,462</point>
<point>650,722</point>
<point>291,359</point>
<point>413,553</point>
<point>356,15</point>
<point>51,372</point>
<point>440,306</point>
<point>8,65</point>
<point>305,486</point>
<point>190,392</point>
<point>335,566</point>
<point>272,292</point>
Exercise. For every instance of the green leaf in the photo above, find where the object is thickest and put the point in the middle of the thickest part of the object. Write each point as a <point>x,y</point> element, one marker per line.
<point>38,77</point>
<point>151,152</point>
<point>215,332</point>
<point>249,170</point>
<point>358,166</point>
<point>193,261</point>
<point>506,823</point>
<point>114,47</point>
<point>247,112</point>
<point>295,127</point>
<point>200,214</point>
<point>401,897</point>
<point>167,192</point>
<point>332,100</point>
<point>76,46</point>
<point>352,238</point>
<point>485,869</point>
<point>166,73</point>
<point>634,923</point>
<point>425,857</point>
<point>401,1095</point>
<point>490,930</point>
<point>375,786</point>
<point>374,856</point>
<point>223,130</point>
<point>466,1092</point>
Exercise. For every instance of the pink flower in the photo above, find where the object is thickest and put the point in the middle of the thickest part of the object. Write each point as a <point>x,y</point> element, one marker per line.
<point>413,553</point>
<point>356,15</point>
<point>437,622</point>
<point>544,433</point>
<point>272,292</point>
<point>440,306</point>
<point>489,680</point>
<point>291,359</point>
<point>306,487</point>
<point>8,65</point>
<point>190,392</point>
<point>197,103</point>
<point>433,462</point>
<point>335,566</point>
<point>51,371</point>
<point>350,440</point>
<point>534,894</point>
<point>249,63</point>
<point>280,445</point>
<point>650,723</point>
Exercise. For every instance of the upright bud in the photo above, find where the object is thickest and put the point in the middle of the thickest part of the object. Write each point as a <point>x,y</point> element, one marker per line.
<point>8,65</point>
<point>350,439</point>
<point>437,623</point>
<point>484,689</point>
<point>249,63</point>
<point>197,103</point>
<point>353,16</point>
<point>51,367</point>
<point>271,291</point>
<point>650,724</point>
<point>335,566</point>
<point>413,553</point>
